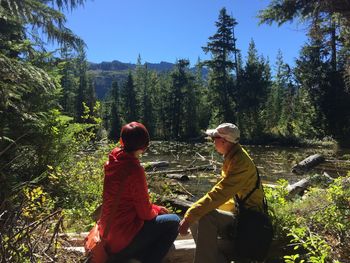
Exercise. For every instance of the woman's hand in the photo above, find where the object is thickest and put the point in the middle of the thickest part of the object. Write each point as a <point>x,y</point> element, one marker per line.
<point>184,226</point>
<point>163,210</point>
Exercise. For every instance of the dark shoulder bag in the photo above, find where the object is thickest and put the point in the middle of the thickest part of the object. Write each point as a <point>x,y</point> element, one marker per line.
<point>253,233</point>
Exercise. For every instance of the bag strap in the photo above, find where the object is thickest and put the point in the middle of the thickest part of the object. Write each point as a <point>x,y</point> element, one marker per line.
<point>115,207</point>
<point>242,201</point>
<point>257,185</point>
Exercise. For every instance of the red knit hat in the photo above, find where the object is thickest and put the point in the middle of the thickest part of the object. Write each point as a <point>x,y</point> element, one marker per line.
<point>134,136</point>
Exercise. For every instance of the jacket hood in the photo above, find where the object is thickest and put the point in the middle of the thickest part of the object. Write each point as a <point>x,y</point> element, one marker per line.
<point>118,158</point>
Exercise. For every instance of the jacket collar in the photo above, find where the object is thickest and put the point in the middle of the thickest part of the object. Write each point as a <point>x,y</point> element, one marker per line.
<point>228,157</point>
<point>235,148</point>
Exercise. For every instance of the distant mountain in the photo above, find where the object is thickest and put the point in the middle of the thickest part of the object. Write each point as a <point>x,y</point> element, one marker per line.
<point>105,73</point>
<point>116,65</point>
<point>111,66</point>
<point>162,66</point>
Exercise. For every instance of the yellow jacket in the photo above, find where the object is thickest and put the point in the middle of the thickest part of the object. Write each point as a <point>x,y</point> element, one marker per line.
<point>238,176</point>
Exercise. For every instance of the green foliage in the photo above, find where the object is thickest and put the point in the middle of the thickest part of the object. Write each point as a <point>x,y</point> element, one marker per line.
<point>293,259</point>
<point>315,224</point>
<point>40,15</point>
<point>27,124</point>
<point>320,68</point>
<point>317,248</point>
<point>77,184</point>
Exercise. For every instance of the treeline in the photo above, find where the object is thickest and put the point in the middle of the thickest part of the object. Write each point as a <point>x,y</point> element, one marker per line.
<point>308,101</point>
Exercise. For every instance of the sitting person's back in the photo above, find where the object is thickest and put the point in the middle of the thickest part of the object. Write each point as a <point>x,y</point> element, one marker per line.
<point>131,225</point>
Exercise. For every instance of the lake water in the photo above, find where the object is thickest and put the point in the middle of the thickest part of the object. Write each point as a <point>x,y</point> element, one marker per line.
<point>274,162</point>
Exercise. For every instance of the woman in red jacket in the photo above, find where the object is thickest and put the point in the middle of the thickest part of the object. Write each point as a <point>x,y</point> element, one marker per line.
<point>131,226</point>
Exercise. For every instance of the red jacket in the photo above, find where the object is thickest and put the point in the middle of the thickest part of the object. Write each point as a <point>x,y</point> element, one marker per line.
<point>134,206</point>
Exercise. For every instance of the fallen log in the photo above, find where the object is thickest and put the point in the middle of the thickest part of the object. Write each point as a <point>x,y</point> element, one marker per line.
<point>191,169</point>
<point>308,163</point>
<point>182,250</point>
<point>153,165</point>
<point>299,187</point>
<point>177,203</point>
<point>180,177</point>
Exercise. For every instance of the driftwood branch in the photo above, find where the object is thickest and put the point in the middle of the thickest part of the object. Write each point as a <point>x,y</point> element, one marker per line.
<point>31,227</point>
<point>183,188</point>
<point>12,143</point>
<point>55,233</point>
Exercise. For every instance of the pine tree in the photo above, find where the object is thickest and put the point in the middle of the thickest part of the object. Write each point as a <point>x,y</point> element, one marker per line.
<point>139,82</point>
<point>305,115</point>
<point>128,100</point>
<point>191,108</point>
<point>179,82</point>
<point>164,106</point>
<point>252,93</point>
<point>115,126</point>
<point>91,102</point>
<point>221,46</point>
<point>81,96</point>
<point>144,82</point>
<point>147,114</point>
<point>203,112</point>
<point>68,81</point>
<point>277,94</point>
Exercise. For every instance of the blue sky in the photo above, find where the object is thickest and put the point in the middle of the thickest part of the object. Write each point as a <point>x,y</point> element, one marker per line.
<point>164,30</point>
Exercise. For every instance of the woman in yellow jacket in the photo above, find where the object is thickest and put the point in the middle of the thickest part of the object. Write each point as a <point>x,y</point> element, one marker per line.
<point>214,213</point>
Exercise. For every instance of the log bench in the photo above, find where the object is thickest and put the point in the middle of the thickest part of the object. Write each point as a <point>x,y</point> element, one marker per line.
<point>183,249</point>
<point>181,252</point>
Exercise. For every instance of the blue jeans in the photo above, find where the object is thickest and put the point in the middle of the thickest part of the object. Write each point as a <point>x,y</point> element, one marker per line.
<point>152,242</point>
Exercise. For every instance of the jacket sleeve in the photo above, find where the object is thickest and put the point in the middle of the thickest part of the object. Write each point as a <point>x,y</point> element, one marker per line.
<point>144,208</point>
<point>226,188</point>
<point>156,208</point>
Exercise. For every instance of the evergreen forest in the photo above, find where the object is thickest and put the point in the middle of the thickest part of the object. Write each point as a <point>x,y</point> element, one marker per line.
<point>55,132</point>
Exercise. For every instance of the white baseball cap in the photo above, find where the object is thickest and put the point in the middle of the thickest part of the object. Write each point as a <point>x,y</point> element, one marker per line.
<point>227,131</point>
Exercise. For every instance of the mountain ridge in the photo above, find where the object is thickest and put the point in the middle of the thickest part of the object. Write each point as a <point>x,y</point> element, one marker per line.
<point>104,73</point>
<point>118,65</point>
